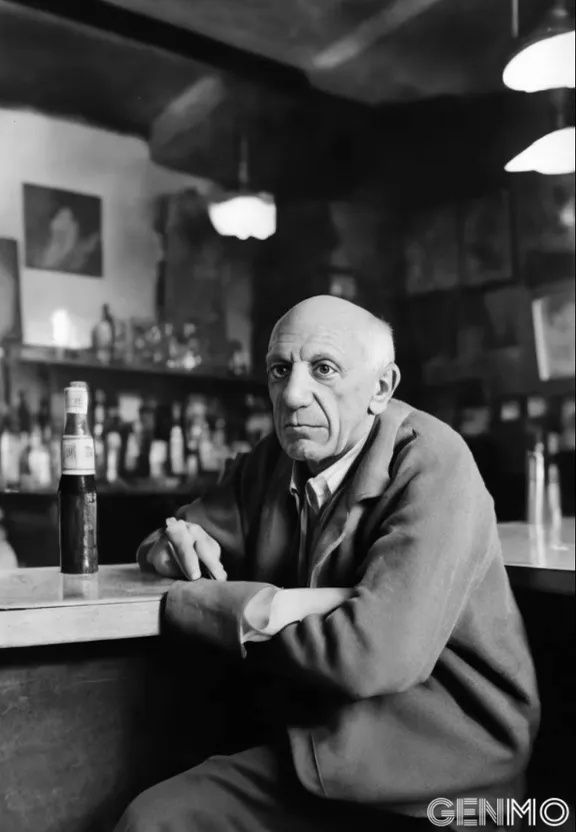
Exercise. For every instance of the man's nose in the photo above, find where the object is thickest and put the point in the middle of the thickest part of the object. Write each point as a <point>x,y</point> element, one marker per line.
<point>298,390</point>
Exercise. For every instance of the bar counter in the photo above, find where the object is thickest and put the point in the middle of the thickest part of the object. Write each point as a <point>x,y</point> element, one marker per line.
<point>95,707</point>
<point>42,606</point>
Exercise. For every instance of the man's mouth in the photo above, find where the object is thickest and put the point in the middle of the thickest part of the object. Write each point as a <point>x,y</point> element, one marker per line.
<point>292,426</point>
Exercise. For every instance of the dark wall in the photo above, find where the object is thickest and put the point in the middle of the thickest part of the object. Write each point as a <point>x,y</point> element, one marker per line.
<point>456,277</point>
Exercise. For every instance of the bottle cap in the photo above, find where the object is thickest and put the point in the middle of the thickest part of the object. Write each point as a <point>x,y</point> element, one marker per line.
<point>76,398</point>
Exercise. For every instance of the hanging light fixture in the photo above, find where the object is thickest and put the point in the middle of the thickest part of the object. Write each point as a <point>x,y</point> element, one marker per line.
<point>544,60</point>
<point>553,153</point>
<point>243,213</point>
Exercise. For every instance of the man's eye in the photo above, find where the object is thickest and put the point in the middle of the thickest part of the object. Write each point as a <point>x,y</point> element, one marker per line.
<point>324,369</point>
<point>278,371</point>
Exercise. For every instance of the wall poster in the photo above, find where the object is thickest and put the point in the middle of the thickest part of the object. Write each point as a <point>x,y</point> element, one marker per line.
<point>63,231</point>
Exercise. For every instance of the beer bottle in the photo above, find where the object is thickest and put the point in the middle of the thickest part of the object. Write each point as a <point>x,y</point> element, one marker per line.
<point>77,489</point>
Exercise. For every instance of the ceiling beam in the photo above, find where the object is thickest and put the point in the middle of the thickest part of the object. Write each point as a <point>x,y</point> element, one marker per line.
<point>178,123</point>
<point>394,15</point>
<point>112,18</point>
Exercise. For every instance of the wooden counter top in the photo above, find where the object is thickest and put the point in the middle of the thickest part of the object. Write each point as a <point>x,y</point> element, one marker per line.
<point>538,557</point>
<point>42,606</point>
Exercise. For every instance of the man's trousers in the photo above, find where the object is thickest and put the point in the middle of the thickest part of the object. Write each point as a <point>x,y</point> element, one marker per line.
<point>256,790</point>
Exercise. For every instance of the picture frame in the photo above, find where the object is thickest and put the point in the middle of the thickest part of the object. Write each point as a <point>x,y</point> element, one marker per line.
<point>431,251</point>
<point>554,315</point>
<point>63,231</point>
<point>10,303</point>
<point>545,226</point>
<point>487,240</point>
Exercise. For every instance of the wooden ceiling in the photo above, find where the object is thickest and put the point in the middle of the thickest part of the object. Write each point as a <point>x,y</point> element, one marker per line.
<point>330,93</point>
<point>375,51</point>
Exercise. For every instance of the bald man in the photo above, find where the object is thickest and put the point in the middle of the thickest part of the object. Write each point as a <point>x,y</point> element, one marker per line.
<point>352,561</point>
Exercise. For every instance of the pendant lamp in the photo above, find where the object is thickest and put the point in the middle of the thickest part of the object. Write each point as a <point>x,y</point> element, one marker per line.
<point>243,213</point>
<point>553,153</point>
<point>545,59</point>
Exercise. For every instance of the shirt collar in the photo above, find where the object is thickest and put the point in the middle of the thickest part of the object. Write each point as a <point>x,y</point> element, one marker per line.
<point>320,488</point>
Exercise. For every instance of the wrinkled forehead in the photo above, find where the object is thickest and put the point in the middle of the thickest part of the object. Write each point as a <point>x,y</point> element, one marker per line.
<point>303,338</point>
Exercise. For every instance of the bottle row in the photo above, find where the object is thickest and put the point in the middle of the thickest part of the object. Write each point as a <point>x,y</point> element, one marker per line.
<point>137,442</point>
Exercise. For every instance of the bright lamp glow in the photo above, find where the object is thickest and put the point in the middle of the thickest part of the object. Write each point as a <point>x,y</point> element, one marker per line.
<point>543,65</point>
<point>552,154</point>
<point>61,328</point>
<point>244,215</point>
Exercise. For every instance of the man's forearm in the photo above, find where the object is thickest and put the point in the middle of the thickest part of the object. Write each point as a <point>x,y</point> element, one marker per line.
<point>270,611</point>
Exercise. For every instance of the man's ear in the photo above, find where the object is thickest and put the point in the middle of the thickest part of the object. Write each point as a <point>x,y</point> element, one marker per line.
<point>386,384</point>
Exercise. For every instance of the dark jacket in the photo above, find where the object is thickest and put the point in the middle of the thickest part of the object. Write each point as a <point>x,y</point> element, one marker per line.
<point>424,676</point>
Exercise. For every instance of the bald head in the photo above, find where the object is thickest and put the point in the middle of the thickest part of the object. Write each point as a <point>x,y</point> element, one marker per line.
<point>351,320</point>
<point>330,372</point>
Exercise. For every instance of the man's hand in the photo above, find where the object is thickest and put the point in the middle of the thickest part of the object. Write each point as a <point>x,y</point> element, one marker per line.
<point>181,549</point>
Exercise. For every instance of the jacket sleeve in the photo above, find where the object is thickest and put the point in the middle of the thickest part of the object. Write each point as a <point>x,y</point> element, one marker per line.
<point>431,545</point>
<point>220,514</point>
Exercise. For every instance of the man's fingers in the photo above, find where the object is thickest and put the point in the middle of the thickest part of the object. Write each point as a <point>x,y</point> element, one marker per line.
<point>194,546</point>
<point>209,553</point>
<point>184,548</point>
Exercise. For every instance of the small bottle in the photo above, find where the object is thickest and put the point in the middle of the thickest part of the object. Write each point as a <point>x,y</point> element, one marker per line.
<point>103,336</point>
<point>77,515</point>
<point>99,417</point>
<point>39,460</point>
<point>132,454</point>
<point>113,443</point>
<point>553,484</point>
<point>536,480</point>
<point>10,448</point>
<point>176,442</point>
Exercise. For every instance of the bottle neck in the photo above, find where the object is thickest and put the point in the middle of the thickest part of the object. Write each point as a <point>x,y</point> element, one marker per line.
<point>76,424</point>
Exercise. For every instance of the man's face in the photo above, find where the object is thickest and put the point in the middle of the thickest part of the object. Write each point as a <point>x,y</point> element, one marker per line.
<point>321,383</point>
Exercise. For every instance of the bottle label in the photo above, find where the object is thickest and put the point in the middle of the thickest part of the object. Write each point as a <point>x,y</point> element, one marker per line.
<point>78,455</point>
<point>76,400</point>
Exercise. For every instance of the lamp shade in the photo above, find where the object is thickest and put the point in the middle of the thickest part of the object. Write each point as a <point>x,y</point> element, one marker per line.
<point>544,65</point>
<point>244,215</point>
<point>545,60</point>
<point>552,154</point>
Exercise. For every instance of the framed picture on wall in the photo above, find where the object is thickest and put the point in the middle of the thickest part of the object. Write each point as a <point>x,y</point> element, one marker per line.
<point>545,207</point>
<point>486,239</point>
<point>63,231</point>
<point>554,316</point>
<point>10,310</point>
<point>431,252</point>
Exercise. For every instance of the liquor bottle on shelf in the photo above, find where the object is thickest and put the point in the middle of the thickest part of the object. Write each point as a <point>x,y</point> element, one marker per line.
<point>159,446</point>
<point>98,420</point>
<point>39,460</point>
<point>103,337</point>
<point>24,415</point>
<point>176,444</point>
<point>8,559</point>
<point>77,512</point>
<point>553,484</point>
<point>148,421</point>
<point>10,451</point>
<point>536,483</point>
<point>220,445</point>
<point>113,444</point>
<point>195,420</point>
<point>133,451</point>
<point>206,451</point>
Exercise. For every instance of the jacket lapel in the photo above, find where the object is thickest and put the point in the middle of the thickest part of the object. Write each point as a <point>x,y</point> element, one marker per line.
<point>278,530</point>
<point>370,478</point>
